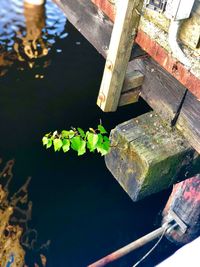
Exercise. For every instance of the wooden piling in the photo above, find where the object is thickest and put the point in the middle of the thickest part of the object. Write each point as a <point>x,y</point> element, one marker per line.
<point>147,156</point>
<point>123,34</point>
<point>185,202</point>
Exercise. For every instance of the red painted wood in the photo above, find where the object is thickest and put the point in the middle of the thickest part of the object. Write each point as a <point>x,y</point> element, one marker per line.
<point>106,7</point>
<point>159,54</point>
<point>185,202</point>
<point>169,63</point>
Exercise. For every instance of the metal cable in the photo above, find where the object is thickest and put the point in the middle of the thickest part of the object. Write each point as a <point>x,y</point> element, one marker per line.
<point>152,249</point>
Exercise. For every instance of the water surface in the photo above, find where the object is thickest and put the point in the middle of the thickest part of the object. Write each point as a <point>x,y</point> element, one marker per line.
<point>77,204</point>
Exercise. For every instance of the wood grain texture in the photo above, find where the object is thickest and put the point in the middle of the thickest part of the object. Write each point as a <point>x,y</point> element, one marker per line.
<point>147,156</point>
<point>95,27</point>
<point>164,58</point>
<point>123,34</point>
<point>160,90</point>
<point>132,80</point>
<point>189,120</point>
<point>164,94</point>
<point>190,30</point>
<point>190,79</point>
<point>129,97</point>
<point>90,21</point>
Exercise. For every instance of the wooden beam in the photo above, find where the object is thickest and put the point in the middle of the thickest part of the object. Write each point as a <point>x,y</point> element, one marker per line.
<point>108,7</point>
<point>90,21</point>
<point>123,34</point>
<point>169,63</point>
<point>147,156</point>
<point>164,94</point>
<point>132,80</point>
<point>189,79</point>
<point>189,120</point>
<point>129,97</point>
<point>131,87</point>
<point>190,29</point>
<point>97,29</point>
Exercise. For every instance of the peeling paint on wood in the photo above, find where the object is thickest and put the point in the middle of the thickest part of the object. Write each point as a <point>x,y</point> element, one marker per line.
<point>169,63</point>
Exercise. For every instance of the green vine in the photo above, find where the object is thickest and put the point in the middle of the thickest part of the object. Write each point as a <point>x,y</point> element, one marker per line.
<point>79,140</point>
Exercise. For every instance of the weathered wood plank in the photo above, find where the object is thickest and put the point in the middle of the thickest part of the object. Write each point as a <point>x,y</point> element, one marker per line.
<point>157,47</point>
<point>88,19</point>
<point>97,29</point>
<point>129,97</point>
<point>123,34</point>
<point>147,156</point>
<point>189,120</point>
<point>159,89</point>
<point>164,94</point>
<point>133,79</point>
<point>108,7</point>
<point>190,30</point>
<point>190,79</point>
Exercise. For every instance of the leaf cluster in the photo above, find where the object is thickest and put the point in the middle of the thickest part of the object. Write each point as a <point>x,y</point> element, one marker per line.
<point>79,140</point>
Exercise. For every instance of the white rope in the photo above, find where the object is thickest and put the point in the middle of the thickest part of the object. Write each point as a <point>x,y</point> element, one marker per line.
<point>152,249</point>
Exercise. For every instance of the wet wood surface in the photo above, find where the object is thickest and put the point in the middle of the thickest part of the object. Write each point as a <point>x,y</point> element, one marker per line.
<point>147,156</point>
<point>164,94</point>
<point>161,91</point>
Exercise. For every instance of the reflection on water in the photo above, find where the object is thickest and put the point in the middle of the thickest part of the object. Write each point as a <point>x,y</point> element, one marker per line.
<point>77,203</point>
<point>28,32</point>
<point>15,213</point>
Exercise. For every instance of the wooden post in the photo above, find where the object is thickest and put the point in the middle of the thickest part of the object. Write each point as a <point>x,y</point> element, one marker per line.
<point>185,202</point>
<point>123,34</point>
<point>147,156</point>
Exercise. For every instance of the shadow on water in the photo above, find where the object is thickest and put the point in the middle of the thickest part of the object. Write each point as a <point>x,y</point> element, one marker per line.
<point>77,204</point>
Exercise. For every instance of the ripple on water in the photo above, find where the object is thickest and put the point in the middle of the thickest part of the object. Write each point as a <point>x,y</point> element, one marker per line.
<point>28,34</point>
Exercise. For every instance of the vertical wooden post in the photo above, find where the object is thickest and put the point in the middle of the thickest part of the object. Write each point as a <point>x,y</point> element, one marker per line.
<point>123,34</point>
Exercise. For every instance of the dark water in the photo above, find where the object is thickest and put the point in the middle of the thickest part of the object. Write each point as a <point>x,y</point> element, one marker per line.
<point>77,204</point>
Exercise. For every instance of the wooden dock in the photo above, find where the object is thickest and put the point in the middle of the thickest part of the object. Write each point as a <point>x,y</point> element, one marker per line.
<point>139,61</point>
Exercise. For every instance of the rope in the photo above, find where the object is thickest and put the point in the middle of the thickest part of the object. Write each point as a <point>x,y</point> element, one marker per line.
<point>152,249</point>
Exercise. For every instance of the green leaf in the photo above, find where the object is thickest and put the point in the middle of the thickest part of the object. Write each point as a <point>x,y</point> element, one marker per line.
<point>71,133</point>
<point>92,139</point>
<point>81,132</point>
<point>64,134</point>
<point>65,145</point>
<point>82,148</point>
<point>103,148</point>
<point>57,144</point>
<point>45,140</point>
<point>67,134</point>
<point>49,144</point>
<point>75,142</point>
<point>78,145</point>
<point>101,129</point>
<point>106,139</point>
